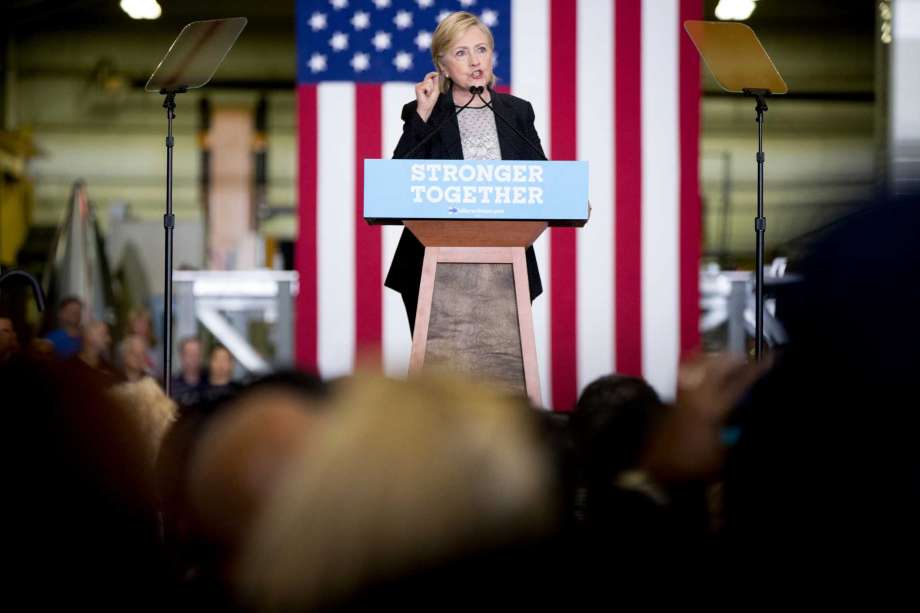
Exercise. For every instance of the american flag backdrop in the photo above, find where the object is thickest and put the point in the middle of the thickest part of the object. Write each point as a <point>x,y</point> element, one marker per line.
<point>613,82</point>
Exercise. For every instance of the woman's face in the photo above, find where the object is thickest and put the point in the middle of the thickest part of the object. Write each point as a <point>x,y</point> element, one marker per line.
<point>140,325</point>
<point>468,61</point>
<point>135,354</point>
<point>98,337</point>
<point>220,367</point>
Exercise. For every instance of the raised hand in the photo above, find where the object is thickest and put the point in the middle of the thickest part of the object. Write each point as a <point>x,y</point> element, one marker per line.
<point>426,94</point>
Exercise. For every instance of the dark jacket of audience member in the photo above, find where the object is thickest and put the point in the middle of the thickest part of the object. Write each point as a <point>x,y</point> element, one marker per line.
<point>618,505</point>
<point>826,468</point>
<point>79,507</point>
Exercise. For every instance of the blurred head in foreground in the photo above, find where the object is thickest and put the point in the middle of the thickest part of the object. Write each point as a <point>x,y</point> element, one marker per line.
<point>612,422</point>
<point>217,467</point>
<point>80,516</point>
<point>149,406</point>
<point>242,454</point>
<point>404,478</point>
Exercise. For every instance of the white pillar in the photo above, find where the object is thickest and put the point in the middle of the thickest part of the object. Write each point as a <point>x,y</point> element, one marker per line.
<point>904,97</point>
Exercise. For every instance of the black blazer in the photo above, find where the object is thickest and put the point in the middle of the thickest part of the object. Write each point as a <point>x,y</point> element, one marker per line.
<point>406,270</point>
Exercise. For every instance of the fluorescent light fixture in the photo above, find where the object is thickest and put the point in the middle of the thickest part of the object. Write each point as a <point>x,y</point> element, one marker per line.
<point>141,9</point>
<point>735,10</point>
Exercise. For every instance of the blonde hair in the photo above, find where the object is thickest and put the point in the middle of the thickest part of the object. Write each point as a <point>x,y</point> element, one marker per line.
<point>448,31</point>
<point>240,457</point>
<point>150,408</point>
<point>404,474</point>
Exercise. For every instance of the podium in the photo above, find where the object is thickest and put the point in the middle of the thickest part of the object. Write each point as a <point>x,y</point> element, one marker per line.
<point>475,219</point>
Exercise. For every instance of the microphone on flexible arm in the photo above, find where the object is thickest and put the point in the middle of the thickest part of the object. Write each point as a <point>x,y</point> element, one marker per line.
<point>478,91</point>
<point>440,125</point>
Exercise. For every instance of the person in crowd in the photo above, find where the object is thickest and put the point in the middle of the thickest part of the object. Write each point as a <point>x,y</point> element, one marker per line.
<point>95,345</point>
<point>410,491</point>
<point>192,378</point>
<point>133,354</point>
<point>216,468</point>
<point>825,472</point>
<point>9,342</point>
<point>243,454</point>
<point>66,337</point>
<point>621,503</point>
<point>140,323</point>
<point>611,426</point>
<point>79,490</point>
<point>152,410</point>
<point>220,374</point>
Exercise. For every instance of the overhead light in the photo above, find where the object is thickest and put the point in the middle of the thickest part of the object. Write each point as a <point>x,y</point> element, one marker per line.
<point>141,9</point>
<point>735,10</point>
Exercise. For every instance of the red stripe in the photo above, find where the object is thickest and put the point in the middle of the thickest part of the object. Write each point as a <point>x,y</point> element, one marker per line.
<point>368,239</point>
<point>690,207</point>
<point>562,81</point>
<point>305,251</point>
<point>627,123</point>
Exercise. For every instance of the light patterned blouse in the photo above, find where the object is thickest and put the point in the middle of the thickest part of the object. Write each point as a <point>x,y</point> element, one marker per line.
<point>478,134</point>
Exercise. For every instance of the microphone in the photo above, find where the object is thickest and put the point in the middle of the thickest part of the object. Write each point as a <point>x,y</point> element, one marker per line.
<point>536,149</point>
<point>440,125</point>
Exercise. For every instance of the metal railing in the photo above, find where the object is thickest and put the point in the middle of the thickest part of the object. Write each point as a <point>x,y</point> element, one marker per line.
<point>227,302</point>
<point>727,297</point>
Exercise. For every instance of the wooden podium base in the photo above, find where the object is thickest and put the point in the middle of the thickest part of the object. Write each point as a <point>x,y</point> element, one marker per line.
<point>474,317</point>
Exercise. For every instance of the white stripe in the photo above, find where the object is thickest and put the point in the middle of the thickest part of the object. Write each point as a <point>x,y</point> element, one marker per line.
<point>335,228</point>
<point>660,195</point>
<point>397,343</point>
<point>594,319</point>
<point>530,60</point>
<point>530,81</point>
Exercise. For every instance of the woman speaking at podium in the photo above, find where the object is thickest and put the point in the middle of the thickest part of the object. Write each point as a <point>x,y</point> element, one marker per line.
<point>447,120</point>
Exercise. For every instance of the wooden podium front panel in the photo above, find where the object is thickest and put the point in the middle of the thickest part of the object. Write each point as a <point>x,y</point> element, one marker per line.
<point>473,327</point>
<point>474,317</point>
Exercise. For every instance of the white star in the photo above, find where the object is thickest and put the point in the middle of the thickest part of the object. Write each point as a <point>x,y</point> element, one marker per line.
<point>382,4</point>
<point>381,41</point>
<point>360,61</point>
<point>339,41</point>
<point>424,4</point>
<point>442,16</point>
<point>423,40</point>
<point>338,4</point>
<point>317,21</point>
<point>403,61</point>
<point>317,62</point>
<point>361,20</point>
<point>403,20</point>
<point>494,59</point>
<point>489,17</point>
<point>467,3</point>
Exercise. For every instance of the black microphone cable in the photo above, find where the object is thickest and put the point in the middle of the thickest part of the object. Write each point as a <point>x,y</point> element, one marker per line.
<point>536,149</point>
<point>440,125</point>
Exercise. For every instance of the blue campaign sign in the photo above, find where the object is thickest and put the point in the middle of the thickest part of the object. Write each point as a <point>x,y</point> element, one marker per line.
<point>475,189</point>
